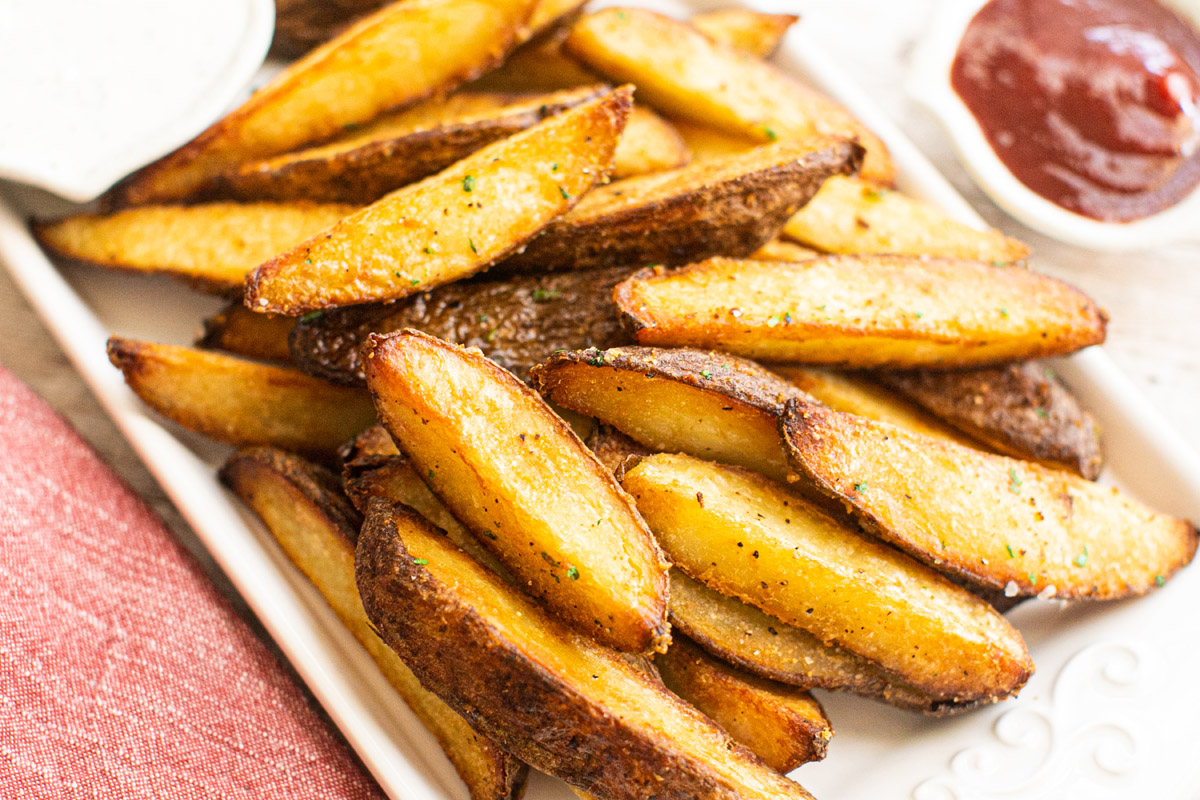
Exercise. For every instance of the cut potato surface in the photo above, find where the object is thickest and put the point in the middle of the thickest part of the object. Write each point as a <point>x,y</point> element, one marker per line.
<point>750,538</point>
<point>861,311</point>
<point>518,477</point>
<point>750,31</point>
<point>550,696</point>
<point>236,329</point>
<point>648,144</point>
<point>1002,523</point>
<point>452,224</point>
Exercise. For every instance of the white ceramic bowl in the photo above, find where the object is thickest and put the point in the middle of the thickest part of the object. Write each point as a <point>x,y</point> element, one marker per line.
<point>929,84</point>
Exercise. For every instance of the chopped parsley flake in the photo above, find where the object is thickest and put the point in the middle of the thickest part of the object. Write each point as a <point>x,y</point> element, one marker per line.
<point>1011,554</point>
<point>431,474</point>
<point>414,281</point>
<point>421,561</point>
<point>705,374</point>
<point>597,360</point>
<point>1032,578</point>
<point>490,335</point>
<point>1003,312</point>
<point>310,316</point>
<point>860,487</point>
<point>573,573</point>
<point>1041,412</point>
<point>542,295</point>
<point>1160,581</point>
<point>469,183</point>
<point>566,195</point>
<point>1015,483</point>
<point>1081,560</point>
<point>471,242</point>
<point>554,167</point>
<point>428,250</point>
<point>771,134</point>
<point>875,194</point>
<point>999,264</point>
<point>308,261</point>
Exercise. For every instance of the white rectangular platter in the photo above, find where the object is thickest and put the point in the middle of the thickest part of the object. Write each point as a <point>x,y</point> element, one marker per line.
<point>1113,711</point>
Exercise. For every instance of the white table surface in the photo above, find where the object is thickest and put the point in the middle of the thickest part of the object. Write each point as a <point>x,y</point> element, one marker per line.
<point>1153,297</point>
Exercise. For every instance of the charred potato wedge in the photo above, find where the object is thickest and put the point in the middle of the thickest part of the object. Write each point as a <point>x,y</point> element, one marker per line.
<point>648,144</point>
<point>861,311</point>
<point>1019,410</point>
<point>521,480</point>
<point>999,522</point>
<point>396,150</point>
<point>238,330</point>
<point>682,72</point>
<point>241,402</point>
<point>398,55</point>
<point>304,510</point>
<point>709,405</point>
<point>750,538</point>
<point>734,205</point>
<point>853,216</point>
<point>212,246</point>
<point>749,31</point>
<point>492,202</point>
<point>549,695</point>
<point>782,725</point>
<point>517,322</point>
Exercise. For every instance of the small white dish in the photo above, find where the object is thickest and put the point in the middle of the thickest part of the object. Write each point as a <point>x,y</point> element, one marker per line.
<point>929,84</point>
<point>94,90</point>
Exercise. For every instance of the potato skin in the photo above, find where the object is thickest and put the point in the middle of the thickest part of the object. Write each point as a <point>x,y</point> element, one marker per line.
<point>494,678</point>
<point>1018,409</point>
<point>516,322</point>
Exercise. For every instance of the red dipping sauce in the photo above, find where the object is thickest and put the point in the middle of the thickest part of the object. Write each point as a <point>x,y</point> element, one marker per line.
<point>1093,104</point>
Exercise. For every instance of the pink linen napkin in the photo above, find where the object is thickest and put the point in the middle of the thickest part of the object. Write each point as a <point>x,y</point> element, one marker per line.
<point>123,673</point>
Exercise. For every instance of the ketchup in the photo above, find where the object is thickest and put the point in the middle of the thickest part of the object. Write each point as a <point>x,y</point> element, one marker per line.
<point>1093,104</point>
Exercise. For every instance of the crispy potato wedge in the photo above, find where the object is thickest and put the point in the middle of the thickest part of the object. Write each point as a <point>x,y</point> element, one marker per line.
<point>551,696</point>
<point>238,330</point>
<point>707,404</point>
<point>1019,410</point>
<point>303,508</point>
<point>521,480</point>
<point>861,311</point>
<point>782,725</point>
<point>365,450</point>
<point>397,149</point>
<point>1002,523</point>
<point>682,72</point>
<point>779,250</point>
<point>750,538</point>
<point>398,55</point>
<point>735,205</point>
<point>854,394</point>
<point>491,202</point>
<point>749,31</point>
<point>211,246</point>
<point>517,322</point>
<point>851,215</point>
<point>648,144</point>
<point>241,402</point>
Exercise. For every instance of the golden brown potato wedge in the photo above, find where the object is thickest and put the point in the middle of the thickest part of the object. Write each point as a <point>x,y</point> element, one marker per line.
<point>549,695</point>
<point>241,402</point>
<point>452,224</point>
<point>537,67</point>
<point>303,508</point>
<point>516,321</point>
<point>734,205</point>
<point>707,404</point>
<point>779,250</point>
<point>750,538</point>
<point>707,144</point>
<point>396,149</point>
<point>782,725</point>
<point>366,450</point>
<point>1019,410</point>
<point>750,31</point>
<point>521,480</point>
<point>648,144</point>
<point>211,246</point>
<point>851,215</point>
<point>1002,523</point>
<point>238,330</point>
<point>681,72</point>
<point>861,311</point>
<point>394,57</point>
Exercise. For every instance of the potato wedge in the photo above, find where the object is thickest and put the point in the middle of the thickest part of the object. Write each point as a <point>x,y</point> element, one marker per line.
<point>749,31</point>
<point>999,522</point>
<point>238,330</point>
<point>241,402</point>
<point>681,72</point>
<point>537,67</point>
<point>707,144</point>
<point>398,55</point>
<point>779,250</point>
<point>709,405</point>
<point>211,246</point>
<point>750,538</point>
<point>733,206</point>
<point>366,450</point>
<point>551,696</point>
<point>517,322</point>
<point>648,144</point>
<point>854,394</point>
<point>782,725</point>
<point>851,215</point>
<point>612,448</point>
<point>1019,410</point>
<point>303,508</point>
<point>518,477</point>
<point>396,150</point>
<point>861,311</point>
<point>491,203</point>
